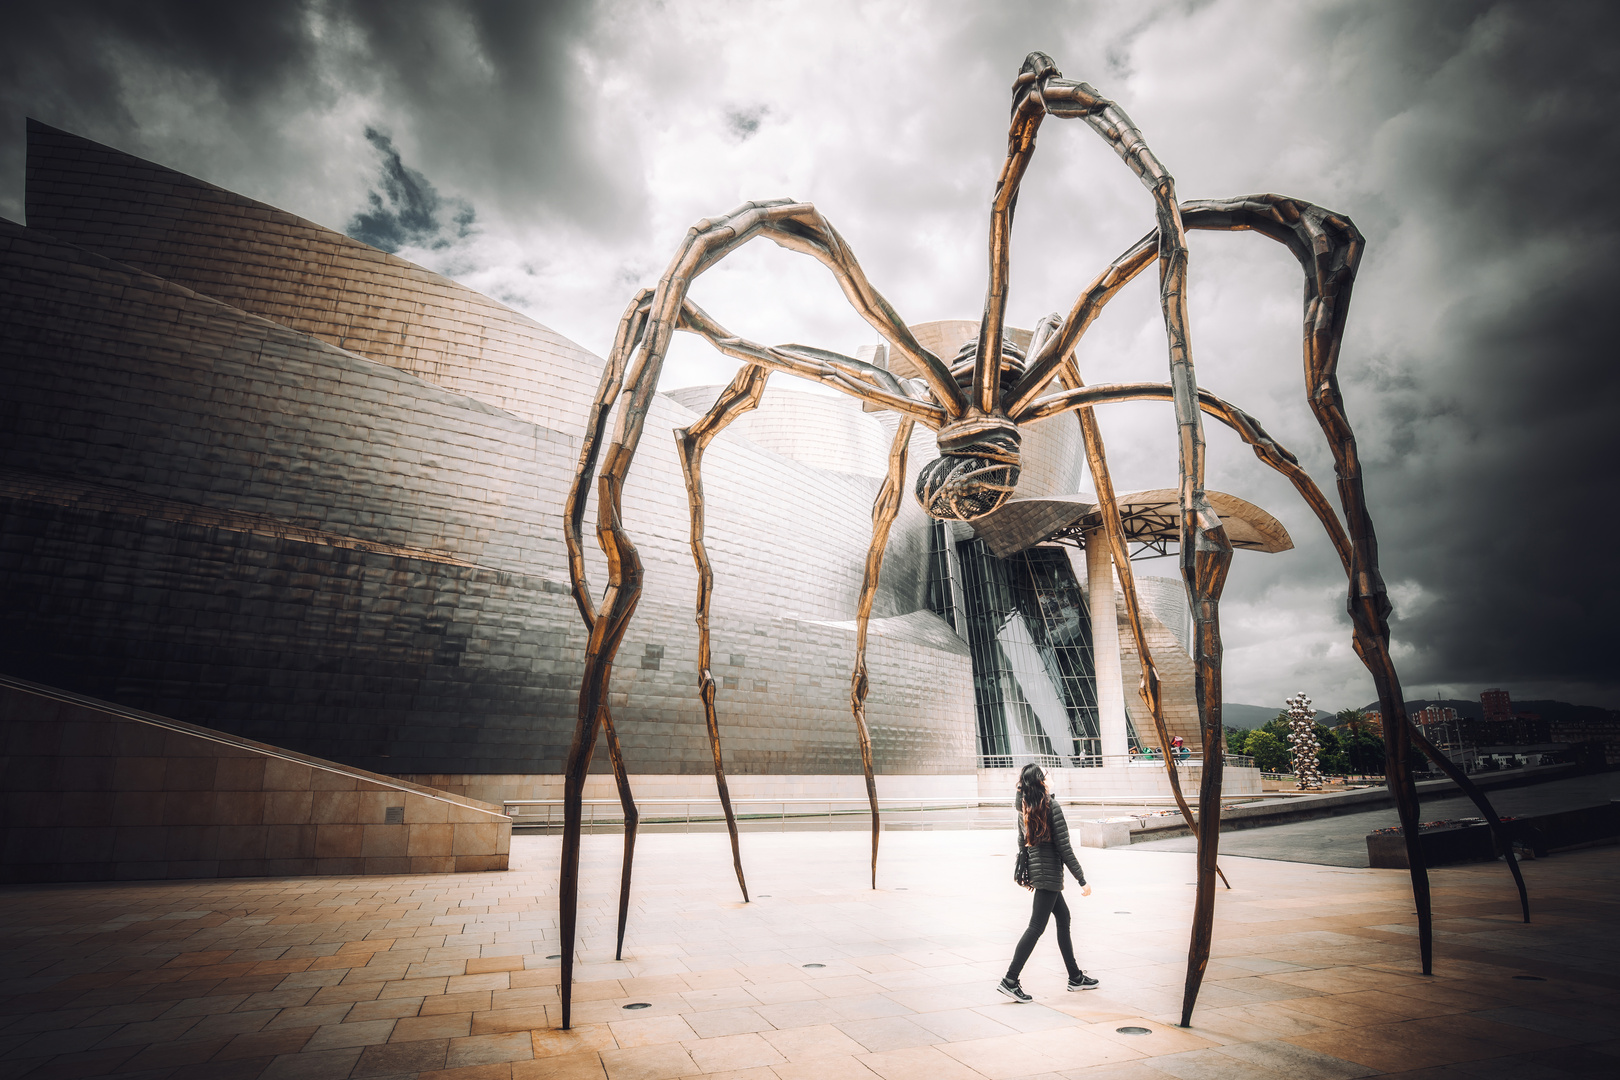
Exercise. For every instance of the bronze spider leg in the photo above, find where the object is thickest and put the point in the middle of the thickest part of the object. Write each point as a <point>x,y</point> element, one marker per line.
<point>1320,240</point>
<point>1329,248</point>
<point>1114,531</point>
<point>645,331</point>
<point>1206,553</point>
<point>632,820</point>
<point>629,333</point>
<point>854,377</point>
<point>1278,458</point>
<point>741,396</point>
<point>1119,552</point>
<point>837,371</point>
<point>884,510</point>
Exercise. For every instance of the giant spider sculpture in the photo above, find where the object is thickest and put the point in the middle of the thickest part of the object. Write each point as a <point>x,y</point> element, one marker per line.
<point>977,405</point>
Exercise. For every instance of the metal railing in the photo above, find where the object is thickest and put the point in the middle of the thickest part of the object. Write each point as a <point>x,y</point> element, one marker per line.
<point>1097,761</point>
<point>548,812</point>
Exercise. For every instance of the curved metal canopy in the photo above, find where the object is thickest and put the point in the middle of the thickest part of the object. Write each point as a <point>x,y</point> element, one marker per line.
<point>1151,518</point>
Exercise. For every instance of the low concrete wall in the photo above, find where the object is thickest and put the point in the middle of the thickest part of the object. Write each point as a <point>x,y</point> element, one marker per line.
<point>96,792</point>
<point>1123,783</point>
<point>961,788</point>
<point>1120,831</point>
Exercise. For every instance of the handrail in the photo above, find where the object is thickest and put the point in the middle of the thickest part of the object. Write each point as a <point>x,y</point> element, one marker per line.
<point>701,809</point>
<point>1099,761</point>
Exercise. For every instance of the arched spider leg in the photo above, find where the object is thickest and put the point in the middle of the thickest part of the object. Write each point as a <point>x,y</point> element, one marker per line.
<point>629,334</point>
<point>741,396</point>
<point>808,233</point>
<point>1284,462</point>
<point>1328,247</point>
<point>646,332</point>
<point>1206,553</point>
<point>849,375</point>
<point>1114,532</point>
<point>1055,349</point>
<point>1280,459</point>
<point>1028,110</point>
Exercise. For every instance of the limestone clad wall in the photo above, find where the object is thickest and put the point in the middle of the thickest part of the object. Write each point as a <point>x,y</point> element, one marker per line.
<point>93,793</point>
<point>1177,680</point>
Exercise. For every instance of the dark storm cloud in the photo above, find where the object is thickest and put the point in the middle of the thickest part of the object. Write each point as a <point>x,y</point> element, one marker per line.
<point>1473,143</point>
<point>409,211</point>
<point>490,85</point>
<point>1494,457</point>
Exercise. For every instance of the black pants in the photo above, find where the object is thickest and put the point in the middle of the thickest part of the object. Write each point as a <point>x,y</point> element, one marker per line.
<point>1048,902</point>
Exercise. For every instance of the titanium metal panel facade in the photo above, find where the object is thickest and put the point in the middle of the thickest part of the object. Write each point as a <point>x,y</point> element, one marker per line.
<point>311,494</point>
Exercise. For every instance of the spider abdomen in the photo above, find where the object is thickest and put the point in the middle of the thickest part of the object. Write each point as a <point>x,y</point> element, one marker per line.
<point>976,472</point>
<point>978,463</point>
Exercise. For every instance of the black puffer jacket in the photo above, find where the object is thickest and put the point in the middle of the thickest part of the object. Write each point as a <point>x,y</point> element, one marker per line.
<point>1047,859</point>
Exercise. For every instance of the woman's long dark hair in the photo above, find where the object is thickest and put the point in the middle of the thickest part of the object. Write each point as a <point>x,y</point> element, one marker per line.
<point>1037,814</point>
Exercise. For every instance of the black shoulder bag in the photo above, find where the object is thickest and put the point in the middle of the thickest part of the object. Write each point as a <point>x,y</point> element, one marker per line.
<point>1021,869</point>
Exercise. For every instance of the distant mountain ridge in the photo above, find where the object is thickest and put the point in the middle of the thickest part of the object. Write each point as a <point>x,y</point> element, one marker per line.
<point>1249,717</point>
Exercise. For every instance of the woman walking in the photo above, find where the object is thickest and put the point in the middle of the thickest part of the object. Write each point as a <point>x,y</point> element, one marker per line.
<point>1044,835</point>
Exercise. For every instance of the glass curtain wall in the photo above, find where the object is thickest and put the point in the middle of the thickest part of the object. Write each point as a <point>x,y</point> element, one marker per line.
<point>1034,680</point>
<point>943,587</point>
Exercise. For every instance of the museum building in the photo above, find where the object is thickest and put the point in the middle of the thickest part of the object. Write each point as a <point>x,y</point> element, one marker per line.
<point>259,477</point>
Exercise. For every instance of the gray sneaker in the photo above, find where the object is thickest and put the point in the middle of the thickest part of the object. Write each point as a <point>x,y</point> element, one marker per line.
<point>1084,982</point>
<point>1013,990</point>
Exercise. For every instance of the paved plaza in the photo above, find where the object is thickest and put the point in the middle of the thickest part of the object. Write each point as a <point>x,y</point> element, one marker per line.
<point>1314,973</point>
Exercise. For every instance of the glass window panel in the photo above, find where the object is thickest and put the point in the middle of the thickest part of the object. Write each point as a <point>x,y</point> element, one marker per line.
<point>1029,633</point>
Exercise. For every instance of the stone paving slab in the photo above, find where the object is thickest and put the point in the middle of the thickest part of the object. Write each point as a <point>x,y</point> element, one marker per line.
<point>1313,974</point>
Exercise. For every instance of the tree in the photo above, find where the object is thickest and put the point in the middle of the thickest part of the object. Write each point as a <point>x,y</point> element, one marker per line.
<point>1363,751</point>
<point>1269,752</point>
<point>1278,726</point>
<point>1235,738</point>
<point>1330,757</point>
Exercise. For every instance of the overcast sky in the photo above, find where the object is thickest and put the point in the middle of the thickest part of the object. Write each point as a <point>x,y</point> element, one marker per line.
<point>552,156</point>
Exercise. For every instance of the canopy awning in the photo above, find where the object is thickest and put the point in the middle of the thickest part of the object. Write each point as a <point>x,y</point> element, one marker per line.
<point>1152,519</point>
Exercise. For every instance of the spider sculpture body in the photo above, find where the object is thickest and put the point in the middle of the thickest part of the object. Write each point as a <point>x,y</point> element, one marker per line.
<point>977,405</point>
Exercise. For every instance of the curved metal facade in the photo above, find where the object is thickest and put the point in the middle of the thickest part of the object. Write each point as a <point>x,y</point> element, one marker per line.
<point>258,476</point>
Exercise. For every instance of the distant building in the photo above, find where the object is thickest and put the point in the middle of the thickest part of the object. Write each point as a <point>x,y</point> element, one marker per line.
<point>1498,705</point>
<point>1436,716</point>
<point>1524,729</point>
<point>1442,727</point>
<point>1590,726</point>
